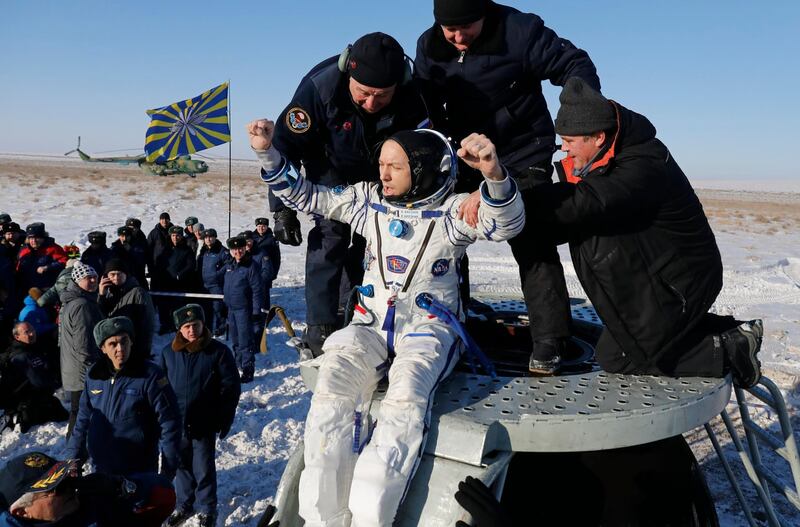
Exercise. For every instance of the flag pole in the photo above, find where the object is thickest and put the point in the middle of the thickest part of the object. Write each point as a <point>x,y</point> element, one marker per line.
<point>230,177</point>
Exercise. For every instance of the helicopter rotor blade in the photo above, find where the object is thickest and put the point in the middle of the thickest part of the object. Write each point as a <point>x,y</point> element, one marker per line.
<point>76,148</point>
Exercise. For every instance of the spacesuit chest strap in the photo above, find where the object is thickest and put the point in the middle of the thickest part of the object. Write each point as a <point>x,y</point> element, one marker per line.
<point>381,262</point>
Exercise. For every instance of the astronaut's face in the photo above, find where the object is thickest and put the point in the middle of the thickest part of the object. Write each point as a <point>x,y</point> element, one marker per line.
<point>395,170</point>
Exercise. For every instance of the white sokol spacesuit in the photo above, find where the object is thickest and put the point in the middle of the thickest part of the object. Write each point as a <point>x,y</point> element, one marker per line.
<point>357,472</point>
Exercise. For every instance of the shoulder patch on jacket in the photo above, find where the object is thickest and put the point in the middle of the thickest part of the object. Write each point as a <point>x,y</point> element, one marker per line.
<point>298,120</point>
<point>95,392</point>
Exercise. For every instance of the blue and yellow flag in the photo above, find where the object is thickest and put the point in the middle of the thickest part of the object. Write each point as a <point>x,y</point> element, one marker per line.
<point>189,126</point>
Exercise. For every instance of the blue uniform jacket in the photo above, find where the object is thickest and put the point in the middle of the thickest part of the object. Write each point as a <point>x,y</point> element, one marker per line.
<point>242,288</point>
<point>206,383</point>
<point>210,261</point>
<point>267,250</point>
<point>337,143</point>
<point>124,417</point>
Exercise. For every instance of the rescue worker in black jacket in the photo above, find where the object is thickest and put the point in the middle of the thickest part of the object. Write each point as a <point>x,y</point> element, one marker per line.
<point>202,371</point>
<point>641,245</point>
<point>334,125</point>
<point>178,267</point>
<point>481,67</point>
<point>135,254</point>
<point>27,382</point>
<point>243,294</point>
<point>158,242</point>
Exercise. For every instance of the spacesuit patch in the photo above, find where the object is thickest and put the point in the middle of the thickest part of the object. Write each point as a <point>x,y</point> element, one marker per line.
<point>440,267</point>
<point>396,264</point>
<point>298,120</point>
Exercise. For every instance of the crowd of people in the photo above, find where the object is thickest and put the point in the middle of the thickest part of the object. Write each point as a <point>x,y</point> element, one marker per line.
<point>81,320</point>
<point>395,206</point>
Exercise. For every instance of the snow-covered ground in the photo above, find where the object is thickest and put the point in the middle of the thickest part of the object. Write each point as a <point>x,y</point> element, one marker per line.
<point>757,227</point>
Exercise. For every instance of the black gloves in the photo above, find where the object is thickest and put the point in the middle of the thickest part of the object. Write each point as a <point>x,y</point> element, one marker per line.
<point>478,500</point>
<point>287,227</point>
<point>266,517</point>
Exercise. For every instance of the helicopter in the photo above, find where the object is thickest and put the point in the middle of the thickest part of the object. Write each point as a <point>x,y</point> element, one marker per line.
<point>179,165</point>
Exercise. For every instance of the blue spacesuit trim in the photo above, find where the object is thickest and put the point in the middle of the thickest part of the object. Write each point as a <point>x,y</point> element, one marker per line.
<point>357,432</point>
<point>473,350</point>
<point>280,186</point>
<point>420,335</point>
<point>274,175</point>
<point>388,327</point>
<point>486,198</point>
<point>456,237</point>
<point>488,233</point>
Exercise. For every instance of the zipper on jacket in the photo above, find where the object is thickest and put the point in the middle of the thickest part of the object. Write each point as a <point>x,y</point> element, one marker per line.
<point>461,56</point>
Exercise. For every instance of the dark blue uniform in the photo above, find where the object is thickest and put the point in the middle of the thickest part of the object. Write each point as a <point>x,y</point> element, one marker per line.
<point>206,383</point>
<point>267,252</point>
<point>495,88</point>
<point>337,144</point>
<point>243,297</point>
<point>210,262</point>
<point>125,416</point>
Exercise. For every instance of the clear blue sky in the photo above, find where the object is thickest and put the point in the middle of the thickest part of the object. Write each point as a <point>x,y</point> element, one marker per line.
<point>720,79</point>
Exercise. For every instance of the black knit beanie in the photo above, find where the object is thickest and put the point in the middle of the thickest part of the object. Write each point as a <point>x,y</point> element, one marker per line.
<point>458,12</point>
<point>376,60</point>
<point>116,264</point>
<point>583,110</point>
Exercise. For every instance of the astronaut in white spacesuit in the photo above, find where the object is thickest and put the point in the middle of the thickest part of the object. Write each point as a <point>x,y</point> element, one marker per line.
<point>356,471</point>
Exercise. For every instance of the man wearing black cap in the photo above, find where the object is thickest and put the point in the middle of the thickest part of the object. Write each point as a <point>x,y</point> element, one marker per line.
<point>158,242</point>
<point>342,110</point>
<point>98,253</point>
<point>268,253</point>
<point>482,66</point>
<point>135,254</point>
<point>244,299</point>
<point>641,245</point>
<point>40,261</point>
<point>203,373</point>
<point>188,233</point>
<point>213,257</point>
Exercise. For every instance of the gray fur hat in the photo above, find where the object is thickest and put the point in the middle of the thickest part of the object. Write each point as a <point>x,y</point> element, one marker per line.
<point>111,327</point>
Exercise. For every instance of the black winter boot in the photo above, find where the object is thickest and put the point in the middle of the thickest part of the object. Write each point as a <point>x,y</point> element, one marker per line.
<point>546,356</point>
<point>315,336</point>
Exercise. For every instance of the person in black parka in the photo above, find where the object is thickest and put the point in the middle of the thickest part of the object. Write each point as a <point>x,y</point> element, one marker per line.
<point>481,67</point>
<point>28,381</point>
<point>641,246</point>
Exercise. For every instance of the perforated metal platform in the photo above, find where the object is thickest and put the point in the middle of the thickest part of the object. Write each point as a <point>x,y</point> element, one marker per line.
<point>474,415</point>
<point>593,411</point>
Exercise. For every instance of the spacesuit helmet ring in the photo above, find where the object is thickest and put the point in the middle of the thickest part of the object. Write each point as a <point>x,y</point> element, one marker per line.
<point>434,167</point>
